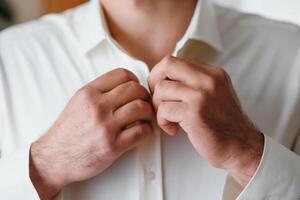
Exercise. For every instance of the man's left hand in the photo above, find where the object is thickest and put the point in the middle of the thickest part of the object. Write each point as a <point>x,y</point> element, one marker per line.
<point>201,100</point>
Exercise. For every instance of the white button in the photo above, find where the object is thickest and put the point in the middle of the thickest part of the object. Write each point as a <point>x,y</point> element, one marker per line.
<point>150,175</point>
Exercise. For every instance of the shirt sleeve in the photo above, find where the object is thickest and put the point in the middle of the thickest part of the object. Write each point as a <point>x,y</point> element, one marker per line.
<point>15,183</point>
<point>278,175</point>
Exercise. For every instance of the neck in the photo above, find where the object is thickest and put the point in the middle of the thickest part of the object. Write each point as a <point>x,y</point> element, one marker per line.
<point>148,29</point>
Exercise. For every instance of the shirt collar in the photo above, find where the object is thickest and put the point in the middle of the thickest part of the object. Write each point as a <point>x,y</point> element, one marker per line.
<point>91,28</point>
<point>203,27</point>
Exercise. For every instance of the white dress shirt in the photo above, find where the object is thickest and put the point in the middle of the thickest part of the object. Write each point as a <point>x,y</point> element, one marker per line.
<point>44,62</point>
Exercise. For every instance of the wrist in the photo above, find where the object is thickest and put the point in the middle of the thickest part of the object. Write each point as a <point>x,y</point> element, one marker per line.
<point>248,158</point>
<point>43,173</point>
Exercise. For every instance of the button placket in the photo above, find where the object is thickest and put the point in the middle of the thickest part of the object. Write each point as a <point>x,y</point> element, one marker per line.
<point>150,164</point>
<point>149,152</point>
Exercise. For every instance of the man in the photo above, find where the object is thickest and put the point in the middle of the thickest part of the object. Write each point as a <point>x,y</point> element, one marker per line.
<point>81,90</point>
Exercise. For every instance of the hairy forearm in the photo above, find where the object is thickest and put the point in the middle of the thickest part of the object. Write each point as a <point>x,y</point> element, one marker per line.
<point>248,160</point>
<point>40,176</point>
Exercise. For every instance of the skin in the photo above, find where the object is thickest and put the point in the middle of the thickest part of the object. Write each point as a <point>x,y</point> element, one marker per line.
<point>114,113</point>
<point>201,100</point>
<point>142,27</point>
<point>103,120</point>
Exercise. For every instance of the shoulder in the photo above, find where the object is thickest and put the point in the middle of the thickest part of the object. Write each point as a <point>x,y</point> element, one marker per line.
<point>51,27</point>
<point>257,29</point>
<point>27,33</point>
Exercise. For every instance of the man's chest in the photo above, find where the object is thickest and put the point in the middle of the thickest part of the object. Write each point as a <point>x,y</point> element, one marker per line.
<point>37,93</point>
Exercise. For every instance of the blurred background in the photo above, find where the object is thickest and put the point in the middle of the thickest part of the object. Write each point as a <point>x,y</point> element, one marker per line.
<point>16,11</point>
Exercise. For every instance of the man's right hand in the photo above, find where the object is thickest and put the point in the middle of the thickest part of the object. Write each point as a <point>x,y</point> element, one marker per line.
<point>103,120</point>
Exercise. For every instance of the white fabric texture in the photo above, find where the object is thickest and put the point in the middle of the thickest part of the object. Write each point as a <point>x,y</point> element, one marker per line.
<point>45,61</point>
<point>287,10</point>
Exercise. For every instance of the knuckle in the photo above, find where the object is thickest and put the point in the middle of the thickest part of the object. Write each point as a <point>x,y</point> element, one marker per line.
<point>98,111</point>
<point>104,139</point>
<point>91,104</point>
<point>102,109</point>
<point>198,100</point>
<point>133,86</point>
<point>143,106</point>
<point>105,129</point>
<point>212,84</point>
<point>140,132</point>
<point>102,102</point>
<point>86,93</point>
<point>196,97</point>
<point>139,104</point>
<point>216,81</point>
<point>95,115</point>
<point>110,148</point>
<point>143,93</point>
<point>221,74</point>
<point>126,74</point>
<point>168,59</point>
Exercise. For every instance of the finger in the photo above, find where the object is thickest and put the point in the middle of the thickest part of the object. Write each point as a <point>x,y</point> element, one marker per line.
<point>127,92</point>
<point>178,70</point>
<point>137,110</point>
<point>131,137</point>
<point>170,115</point>
<point>112,79</point>
<point>167,90</point>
